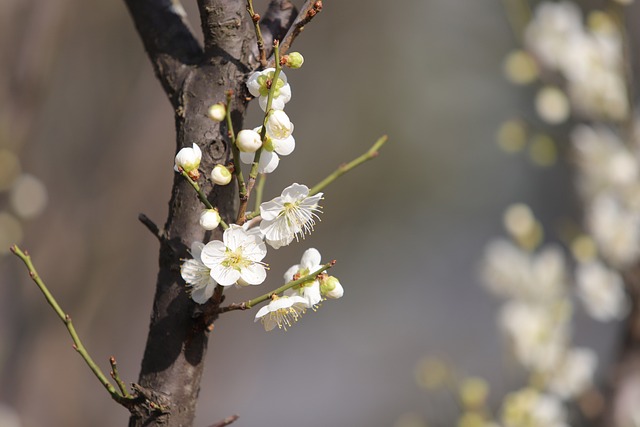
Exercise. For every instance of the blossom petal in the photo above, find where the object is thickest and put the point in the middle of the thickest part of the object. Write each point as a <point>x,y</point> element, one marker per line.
<point>213,253</point>
<point>202,295</point>
<point>284,147</point>
<point>253,274</point>
<point>271,209</point>
<point>295,192</point>
<point>311,259</point>
<point>225,276</point>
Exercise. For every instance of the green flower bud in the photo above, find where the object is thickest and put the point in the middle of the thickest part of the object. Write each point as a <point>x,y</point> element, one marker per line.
<point>293,60</point>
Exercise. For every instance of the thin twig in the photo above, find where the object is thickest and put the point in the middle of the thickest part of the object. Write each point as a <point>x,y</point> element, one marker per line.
<point>116,377</point>
<point>342,169</point>
<point>225,422</point>
<point>151,226</point>
<point>237,170</point>
<point>202,197</point>
<point>255,18</point>
<point>308,11</point>
<point>248,304</point>
<point>66,319</point>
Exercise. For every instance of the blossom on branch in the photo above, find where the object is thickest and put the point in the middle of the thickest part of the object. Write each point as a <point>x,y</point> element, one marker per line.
<point>237,256</point>
<point>293,214</point>
<point>197,275</point>
<point>188,160</point>
<point>281,311</point>
<point>309,290</point>
<point>259,84</point>
<point>271,150</point>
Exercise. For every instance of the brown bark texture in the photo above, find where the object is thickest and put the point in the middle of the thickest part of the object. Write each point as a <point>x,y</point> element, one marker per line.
<point>193,77</point>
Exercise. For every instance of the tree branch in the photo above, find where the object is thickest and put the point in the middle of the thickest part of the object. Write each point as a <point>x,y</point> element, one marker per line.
<point>276,21</point>
<point>168,40</point>
<point>309,10</point>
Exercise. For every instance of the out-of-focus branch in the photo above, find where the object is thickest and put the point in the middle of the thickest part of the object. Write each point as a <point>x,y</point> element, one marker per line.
<point>168,40</point>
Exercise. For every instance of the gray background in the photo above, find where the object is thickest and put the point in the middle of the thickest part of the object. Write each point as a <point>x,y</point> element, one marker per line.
<point>83,110</point>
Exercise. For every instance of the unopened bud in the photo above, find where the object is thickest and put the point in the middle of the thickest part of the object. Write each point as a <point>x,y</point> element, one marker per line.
<point>331,288</point>
<point>221,175</point>
<point>248,141</point>
<point>209,219</point>
<point>188,160</point>
<point>293,60</point>
<point>217,112</point>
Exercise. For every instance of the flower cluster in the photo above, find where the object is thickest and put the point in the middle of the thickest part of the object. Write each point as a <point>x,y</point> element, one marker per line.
<point>536,316</point>
<point>589,58</point>
<point>238,258</point>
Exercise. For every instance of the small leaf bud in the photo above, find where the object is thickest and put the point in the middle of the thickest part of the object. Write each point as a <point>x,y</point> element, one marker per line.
<point>220,175</point>
<point>217,112</point>
<point>209,219</point>
<point>293,60</point>
<point>248,141</point>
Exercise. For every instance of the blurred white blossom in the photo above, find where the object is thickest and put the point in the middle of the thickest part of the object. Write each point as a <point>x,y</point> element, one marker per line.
<point>601,291</point>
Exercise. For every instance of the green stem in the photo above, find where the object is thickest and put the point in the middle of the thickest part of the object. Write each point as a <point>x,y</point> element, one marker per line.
<point>116,377</point>
<point>237,170</point>
<point>255,18</point>
<point>262,178</point>
<point>77,343</point>
<point>253,173</point>
<point>248,304</point>
<point>344,168</point>
<point>202,197</point>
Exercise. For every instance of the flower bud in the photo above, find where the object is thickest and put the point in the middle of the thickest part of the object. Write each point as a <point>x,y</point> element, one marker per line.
<point>248,141</point>
<point>278,125</point>
<point>331,288</point>
<point>209,219</point>
<point>220,175</point>
<point>188,159</point>
<point>293,60</point>
<point>217,112</point>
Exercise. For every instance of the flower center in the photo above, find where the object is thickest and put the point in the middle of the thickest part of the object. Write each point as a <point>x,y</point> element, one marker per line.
<point>234,259</point>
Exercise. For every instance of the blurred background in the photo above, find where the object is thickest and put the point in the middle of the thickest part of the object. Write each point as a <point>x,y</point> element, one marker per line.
<point>87,143</point>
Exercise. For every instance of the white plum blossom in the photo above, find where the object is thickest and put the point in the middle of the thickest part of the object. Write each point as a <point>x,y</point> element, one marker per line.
<point>259,84</point>
<point>282,312</point>
<point>615,229</point>
<point>605,163</point>
<point>310,290</point>
<point>548,35</point>
<point>188,159</point>
<point>601,291</point>
<point>278,125</point>
<point>539,333</point>
<point>209,219</point>
<point>248,141</point>
<point>511,272</point>
<point>290,215</point>
<point>590,59</point>
<point>552,105</point>
<point>574,374</point>
<point>197,275</point>
<point>271,150</point>
<point>237,256</point>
